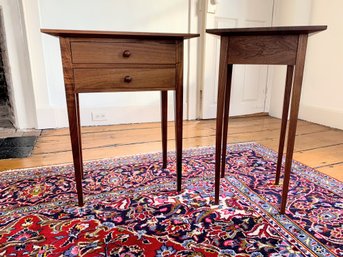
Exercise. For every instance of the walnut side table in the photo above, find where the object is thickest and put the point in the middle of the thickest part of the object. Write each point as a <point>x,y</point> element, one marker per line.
<point>106,61</point>
<point>267,45</point>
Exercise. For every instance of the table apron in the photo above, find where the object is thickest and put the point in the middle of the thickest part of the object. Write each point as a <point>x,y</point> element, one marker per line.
<point>267,49</point>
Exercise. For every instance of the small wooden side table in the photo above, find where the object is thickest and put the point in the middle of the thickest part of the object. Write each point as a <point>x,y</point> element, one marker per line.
<point>107,61</point>
<point>266,45</point>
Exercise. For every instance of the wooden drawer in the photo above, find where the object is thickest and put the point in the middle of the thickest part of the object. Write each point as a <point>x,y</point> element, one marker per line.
<point>123,52</point>
<point>120,79</point>
<point>263,49</point>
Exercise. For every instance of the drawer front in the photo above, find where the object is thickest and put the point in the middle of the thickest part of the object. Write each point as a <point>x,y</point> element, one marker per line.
<point>111,80</point>
<point>263,49</point>
<point>123,52</point>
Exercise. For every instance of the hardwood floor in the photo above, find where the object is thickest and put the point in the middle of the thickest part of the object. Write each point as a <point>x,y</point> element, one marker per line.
<point>316,146</point>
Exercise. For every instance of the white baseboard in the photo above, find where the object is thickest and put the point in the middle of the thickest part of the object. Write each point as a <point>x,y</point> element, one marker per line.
<point>326,116</point>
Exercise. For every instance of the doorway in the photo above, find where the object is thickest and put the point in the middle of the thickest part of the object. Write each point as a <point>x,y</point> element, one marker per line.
<point>6,114</point>
<point>249,82</point>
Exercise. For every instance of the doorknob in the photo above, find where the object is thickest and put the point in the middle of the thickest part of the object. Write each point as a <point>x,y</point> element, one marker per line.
<point>211,7</point>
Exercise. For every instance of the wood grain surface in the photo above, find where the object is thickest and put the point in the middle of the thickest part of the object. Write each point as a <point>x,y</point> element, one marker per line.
<point>112,80</point>
<point>263,49</point>
<point>275,30</point>
<point>141,52</point>
<point>116,34</point>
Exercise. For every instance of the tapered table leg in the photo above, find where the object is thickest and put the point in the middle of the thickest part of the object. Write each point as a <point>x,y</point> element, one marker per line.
<point>75,143</point>
<point>219,133</point>
<point>286,100</point>
<point>164,118</point>
<point>226,118</point>
<point>223,68</point>
<point>77,103</point>
<point>298,77</point>
<point>179,113</point>
<point>178,134</point>
<point>73,115</point>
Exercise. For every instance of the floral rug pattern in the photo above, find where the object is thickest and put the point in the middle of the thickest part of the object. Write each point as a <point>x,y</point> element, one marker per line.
<point>132,209</point>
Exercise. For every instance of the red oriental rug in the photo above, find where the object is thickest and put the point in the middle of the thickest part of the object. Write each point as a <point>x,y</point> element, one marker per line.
<point>132,209</point>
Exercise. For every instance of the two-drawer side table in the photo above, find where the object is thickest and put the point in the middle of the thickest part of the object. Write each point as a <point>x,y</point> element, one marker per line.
<point>106,61</point>
<point>266,45</point>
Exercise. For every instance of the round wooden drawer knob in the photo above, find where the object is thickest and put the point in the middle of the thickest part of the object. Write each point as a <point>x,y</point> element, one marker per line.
<point>127,79</point>
<point>126,53</point>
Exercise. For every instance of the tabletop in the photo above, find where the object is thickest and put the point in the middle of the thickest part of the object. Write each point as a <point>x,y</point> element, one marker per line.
<point>117,34</point>
<point>280,30</point>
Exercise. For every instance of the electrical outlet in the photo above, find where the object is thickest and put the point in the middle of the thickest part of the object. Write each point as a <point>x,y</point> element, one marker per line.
<point>99,116</point>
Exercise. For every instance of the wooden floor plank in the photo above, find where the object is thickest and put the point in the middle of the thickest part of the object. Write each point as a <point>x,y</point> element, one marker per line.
<point>237,133</point>
<point>322,156</point>
<point>316,145</point>
<point>335,170</point>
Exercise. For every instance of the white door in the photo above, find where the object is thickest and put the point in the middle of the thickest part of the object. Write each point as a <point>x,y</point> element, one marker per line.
<point>249,82</point>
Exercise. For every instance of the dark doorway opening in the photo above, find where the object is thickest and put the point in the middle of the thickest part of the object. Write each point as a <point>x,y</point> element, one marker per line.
<point>5,106</point>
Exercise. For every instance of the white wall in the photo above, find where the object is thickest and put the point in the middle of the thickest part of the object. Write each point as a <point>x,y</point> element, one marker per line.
<point>123,15</point>
<point>19,73</point>
<point>286,13</point>
<point>41,88</point>
<point>322,100</point>
<point>323,78</point>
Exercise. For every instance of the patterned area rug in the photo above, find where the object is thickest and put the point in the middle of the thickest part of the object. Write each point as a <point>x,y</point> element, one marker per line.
<point>132,209</point>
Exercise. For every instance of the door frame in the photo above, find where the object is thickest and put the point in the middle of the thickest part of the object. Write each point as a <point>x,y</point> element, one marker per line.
<point>19,79</point>
<point>210,6</point>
